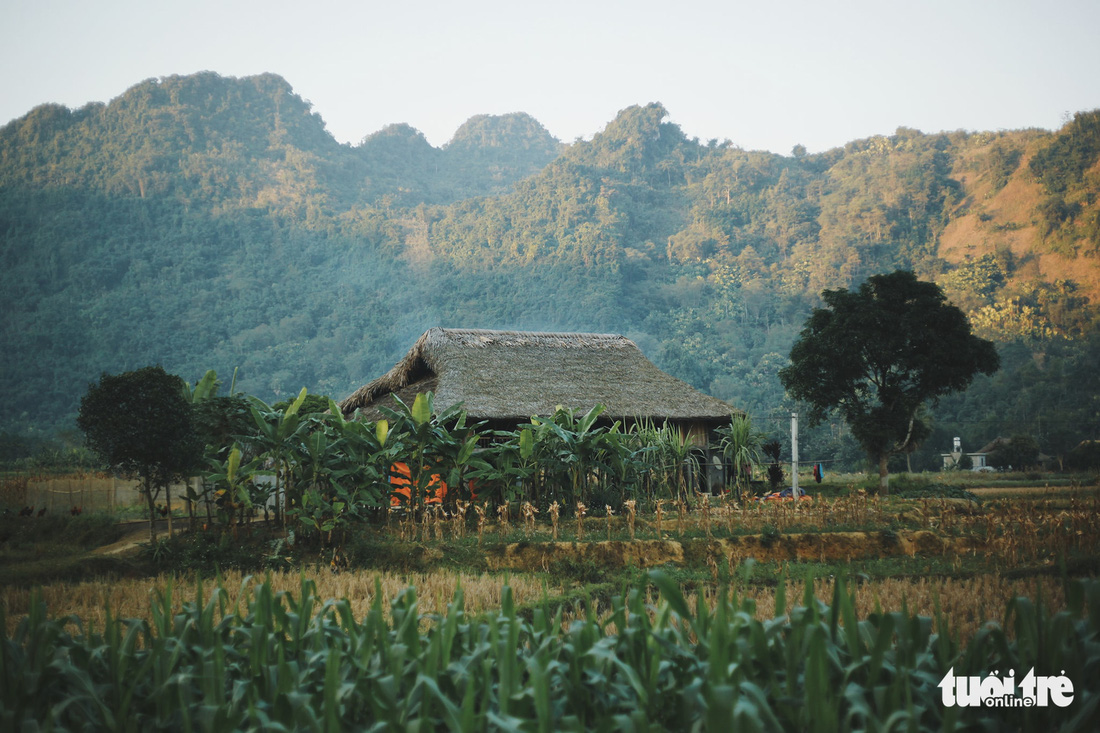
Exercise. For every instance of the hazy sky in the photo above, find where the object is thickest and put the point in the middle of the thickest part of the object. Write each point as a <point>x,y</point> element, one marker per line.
<point>764,74</point>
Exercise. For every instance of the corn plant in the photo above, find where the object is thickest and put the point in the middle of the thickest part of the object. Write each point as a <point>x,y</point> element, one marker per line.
<point>295,661</point>
<point>568,449</point>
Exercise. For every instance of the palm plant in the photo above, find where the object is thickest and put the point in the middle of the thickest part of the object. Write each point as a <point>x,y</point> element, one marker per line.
<point>742,447</point>
<point>674,453</point>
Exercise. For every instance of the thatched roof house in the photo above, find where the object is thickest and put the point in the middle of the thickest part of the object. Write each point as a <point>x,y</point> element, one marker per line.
<point>505,377</point>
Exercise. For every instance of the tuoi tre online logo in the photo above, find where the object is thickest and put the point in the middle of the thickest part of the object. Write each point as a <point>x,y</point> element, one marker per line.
<point>993,691</point>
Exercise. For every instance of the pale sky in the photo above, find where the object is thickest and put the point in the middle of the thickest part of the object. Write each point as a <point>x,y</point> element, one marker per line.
<point>763,74</point>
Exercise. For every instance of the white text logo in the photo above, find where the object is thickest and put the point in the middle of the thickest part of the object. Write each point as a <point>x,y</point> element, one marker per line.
<point>1003,692</point>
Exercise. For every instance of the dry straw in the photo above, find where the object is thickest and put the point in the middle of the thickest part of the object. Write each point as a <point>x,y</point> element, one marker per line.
<point>129,598</point>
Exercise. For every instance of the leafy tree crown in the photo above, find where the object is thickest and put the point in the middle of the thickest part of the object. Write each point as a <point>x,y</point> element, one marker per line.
<point>880,353</point>
<point>140,423</point>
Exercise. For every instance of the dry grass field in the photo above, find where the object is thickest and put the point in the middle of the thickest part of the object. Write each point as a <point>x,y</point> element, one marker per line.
<point>966,603</point>
<point>1014,528</point>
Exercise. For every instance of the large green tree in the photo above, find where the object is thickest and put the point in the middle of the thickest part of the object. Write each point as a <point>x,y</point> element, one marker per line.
<point>141,424</point>
<point>879,354</point>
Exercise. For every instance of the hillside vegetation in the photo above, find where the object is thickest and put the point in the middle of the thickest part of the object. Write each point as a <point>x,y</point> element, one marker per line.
<point>207,222</point>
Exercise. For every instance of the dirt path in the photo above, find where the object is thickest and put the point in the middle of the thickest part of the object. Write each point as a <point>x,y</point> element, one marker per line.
<point>136,534</point>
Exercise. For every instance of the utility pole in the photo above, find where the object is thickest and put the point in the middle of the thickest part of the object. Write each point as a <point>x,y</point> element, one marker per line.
<point>794,455</point>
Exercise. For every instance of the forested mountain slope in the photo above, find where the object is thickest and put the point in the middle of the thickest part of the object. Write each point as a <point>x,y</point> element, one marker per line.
<point>207,222</point>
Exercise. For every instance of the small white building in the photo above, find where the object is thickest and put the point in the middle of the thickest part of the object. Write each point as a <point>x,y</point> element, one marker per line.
<point>951,460</point>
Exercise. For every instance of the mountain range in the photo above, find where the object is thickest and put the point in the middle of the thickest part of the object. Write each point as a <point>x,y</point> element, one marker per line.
<point>205,222</point>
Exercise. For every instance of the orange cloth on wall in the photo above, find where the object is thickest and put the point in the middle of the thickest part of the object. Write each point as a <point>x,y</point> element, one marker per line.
<point>401,483</point>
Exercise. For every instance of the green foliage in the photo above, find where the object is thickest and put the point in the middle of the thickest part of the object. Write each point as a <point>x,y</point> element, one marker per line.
<point>1001,163</point>
<point>879,354</point>
<point>216,550</point>
<point>1063,162</point>
<point>431,444</point>
<point>772,449</point>
<point>83,531</point>
<point>296,661</point>
<point>1063,167</point>
<point>1085,456</point>
<point>743,449</point>
<point>141,423</point>
<point>981,278</point>
<point>1018,452</point>
<point>277,434</point>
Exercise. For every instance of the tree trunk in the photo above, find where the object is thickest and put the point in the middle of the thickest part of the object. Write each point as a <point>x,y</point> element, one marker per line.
<point>148,487</point>
<point>884,473</point>
<point>168,506</point>
<point>206,500</point>
<point>277,508</point>
<point>190,505</point>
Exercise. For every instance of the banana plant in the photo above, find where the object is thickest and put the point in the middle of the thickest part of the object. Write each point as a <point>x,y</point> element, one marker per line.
<point>234,484</point>
<point>619,464</point>
<point>569,450</point>
<point>324,499</point>
<point>343,471</point>
<point>204,389</point>
<point>434,444</point>
<point>500,470</point>
<point>278,437</point>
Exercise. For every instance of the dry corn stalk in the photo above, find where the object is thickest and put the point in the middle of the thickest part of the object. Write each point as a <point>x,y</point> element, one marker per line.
<point>459,518</point>
<point>731,510</point>
<point>705,508</point>
<point>438,515</point>
<point>528,511</point>
<point>610,513</point>
<point>581,511</point>
<point>630,505</point>
<point>480,510</point>
<point>555,510</point>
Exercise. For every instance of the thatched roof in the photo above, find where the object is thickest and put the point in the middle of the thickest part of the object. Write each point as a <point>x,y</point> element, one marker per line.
<point>512,375</point>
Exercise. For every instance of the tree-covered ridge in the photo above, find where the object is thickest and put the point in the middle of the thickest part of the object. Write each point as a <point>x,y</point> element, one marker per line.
<point>253,142</point>
<point>195,138</point>
<point>207,222</point>
<point>1067,169</point>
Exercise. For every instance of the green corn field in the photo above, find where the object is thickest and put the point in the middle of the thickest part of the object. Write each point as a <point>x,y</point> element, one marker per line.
<point>293,661</point>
